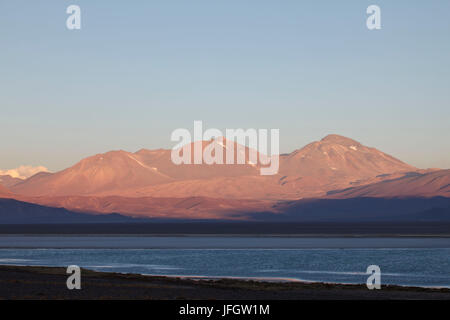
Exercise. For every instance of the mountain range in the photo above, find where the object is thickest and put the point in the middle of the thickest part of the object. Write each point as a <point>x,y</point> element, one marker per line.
<point>148,184</point>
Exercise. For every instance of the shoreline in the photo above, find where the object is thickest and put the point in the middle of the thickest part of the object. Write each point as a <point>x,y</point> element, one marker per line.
<point>274,280</point>
<point>39,282</point>
<point>280,280</point>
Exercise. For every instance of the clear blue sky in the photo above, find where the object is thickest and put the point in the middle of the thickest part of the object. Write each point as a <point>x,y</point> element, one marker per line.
<point>137,70</point>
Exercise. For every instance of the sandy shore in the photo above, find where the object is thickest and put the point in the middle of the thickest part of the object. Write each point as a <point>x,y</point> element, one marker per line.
<point>20,282</point>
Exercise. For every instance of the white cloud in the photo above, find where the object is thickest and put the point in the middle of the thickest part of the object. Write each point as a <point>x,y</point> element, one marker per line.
<point>23,172</point>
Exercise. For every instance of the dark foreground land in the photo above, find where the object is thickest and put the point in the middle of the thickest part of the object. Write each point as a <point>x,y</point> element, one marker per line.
<point>50,283</point>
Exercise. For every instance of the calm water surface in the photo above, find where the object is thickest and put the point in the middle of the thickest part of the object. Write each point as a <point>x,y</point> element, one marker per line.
<point>404,261</point>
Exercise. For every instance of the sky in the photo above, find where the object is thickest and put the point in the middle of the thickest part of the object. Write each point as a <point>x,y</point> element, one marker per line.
<point>136,71</point>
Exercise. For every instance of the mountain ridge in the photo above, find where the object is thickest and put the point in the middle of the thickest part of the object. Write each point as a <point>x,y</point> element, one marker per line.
<point>335,162</point>
<point>430,184</point>
<point>148,184</point>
